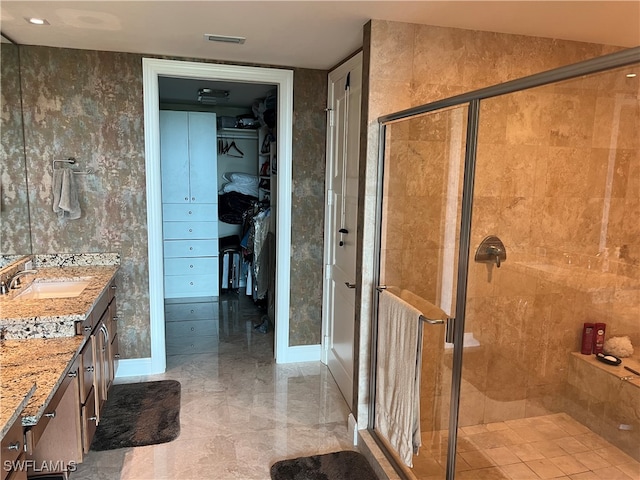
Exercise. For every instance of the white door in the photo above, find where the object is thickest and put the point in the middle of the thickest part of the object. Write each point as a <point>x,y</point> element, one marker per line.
<point>343,141</point>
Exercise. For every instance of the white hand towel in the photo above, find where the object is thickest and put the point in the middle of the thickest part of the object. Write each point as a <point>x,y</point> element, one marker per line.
<point>397,414</point>
<point>65,194</point>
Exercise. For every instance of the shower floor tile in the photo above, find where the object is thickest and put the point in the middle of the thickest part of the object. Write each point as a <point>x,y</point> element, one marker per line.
<point>546,447</point>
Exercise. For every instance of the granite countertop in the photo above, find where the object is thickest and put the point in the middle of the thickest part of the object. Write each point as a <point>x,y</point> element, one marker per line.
<point>52,317</point>
<point>12,406</point>
<point>42,362</point>
<point>39,343</point>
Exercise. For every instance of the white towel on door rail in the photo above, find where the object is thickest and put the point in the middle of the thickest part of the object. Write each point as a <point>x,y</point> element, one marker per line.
<point>399,355</point>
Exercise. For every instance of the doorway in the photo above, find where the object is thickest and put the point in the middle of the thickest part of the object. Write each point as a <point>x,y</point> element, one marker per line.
<point>283,80</point>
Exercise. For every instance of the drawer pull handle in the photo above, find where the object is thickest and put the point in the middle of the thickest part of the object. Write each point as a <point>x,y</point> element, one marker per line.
<point>186,198</point>
<point>190,283</point>
<point>189,212</point>
<point>93,419</point>
<point>192,329</point>
<point>193,198</point>
<point>193,311</point>
<point>190,230</point>
<point>113,287</point>
<point>89,368</point>
<point>73,374</point>
<point>50,415</point>
<point>87,328</point>
<point>190,266</point>
<point>14,446</point>
<point>190,248</point>
<point>117,355</point>
<point>115,319</point>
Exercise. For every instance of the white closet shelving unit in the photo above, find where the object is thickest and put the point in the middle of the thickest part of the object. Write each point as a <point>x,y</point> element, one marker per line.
<point>189,203</point>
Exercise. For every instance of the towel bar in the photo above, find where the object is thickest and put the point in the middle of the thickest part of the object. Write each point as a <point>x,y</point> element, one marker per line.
<point>71,161</point>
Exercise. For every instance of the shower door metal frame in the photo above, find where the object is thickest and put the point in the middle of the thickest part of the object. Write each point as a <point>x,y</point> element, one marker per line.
<point>473,100</point>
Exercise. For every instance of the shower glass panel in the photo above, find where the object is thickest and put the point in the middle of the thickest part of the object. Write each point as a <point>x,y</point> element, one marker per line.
<point>558,181</point>
<point>421,217</point>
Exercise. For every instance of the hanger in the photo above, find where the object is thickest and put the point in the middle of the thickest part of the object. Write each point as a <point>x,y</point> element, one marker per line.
<point>233,146</point>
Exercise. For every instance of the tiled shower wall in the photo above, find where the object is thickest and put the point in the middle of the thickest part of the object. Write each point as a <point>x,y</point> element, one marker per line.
<point>89,105</point>
<point>412,65</point>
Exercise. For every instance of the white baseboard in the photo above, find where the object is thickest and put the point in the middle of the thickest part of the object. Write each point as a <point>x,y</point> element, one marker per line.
<point>352,427</point>
<point>300,353</point>
<point>134,367</point>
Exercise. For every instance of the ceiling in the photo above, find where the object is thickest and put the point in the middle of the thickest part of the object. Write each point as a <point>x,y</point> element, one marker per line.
<point>305,34</point>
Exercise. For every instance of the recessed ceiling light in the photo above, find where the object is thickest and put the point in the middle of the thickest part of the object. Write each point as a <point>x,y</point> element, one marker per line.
<point>631,75</point>
<point>224,38</point>
<point>37,21</point>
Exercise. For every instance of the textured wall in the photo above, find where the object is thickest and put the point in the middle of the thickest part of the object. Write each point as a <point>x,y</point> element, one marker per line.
<point>89,104</point>
<point>14,208</point>
<point>307,215</point>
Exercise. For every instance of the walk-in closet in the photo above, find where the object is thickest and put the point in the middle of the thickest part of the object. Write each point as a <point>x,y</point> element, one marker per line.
<point>218,167</point>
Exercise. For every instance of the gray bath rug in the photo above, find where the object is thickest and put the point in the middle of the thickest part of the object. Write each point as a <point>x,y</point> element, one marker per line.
<point>345,465</point>
<point>137,414</point>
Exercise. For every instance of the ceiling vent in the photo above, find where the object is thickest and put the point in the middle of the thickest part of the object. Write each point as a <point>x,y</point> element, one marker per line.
<point>208,96</point>
<point>224,38</point>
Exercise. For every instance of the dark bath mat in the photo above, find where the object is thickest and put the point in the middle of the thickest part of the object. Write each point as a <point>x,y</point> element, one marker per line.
<point>345,465</point>
<point>137,414</point>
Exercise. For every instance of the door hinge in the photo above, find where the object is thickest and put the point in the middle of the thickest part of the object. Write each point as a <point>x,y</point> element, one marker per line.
<point>327,272</point>
<point>326,343</point>
<point>331,122</point>
<point>329,197</point>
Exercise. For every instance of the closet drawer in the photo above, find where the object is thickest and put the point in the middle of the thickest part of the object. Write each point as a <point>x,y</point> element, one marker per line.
<point>200,212</point>
<point>190,266</point>
<point>190,248</point>
<point>177,286</point>
<point>185,230</point>
<point>192,328</point>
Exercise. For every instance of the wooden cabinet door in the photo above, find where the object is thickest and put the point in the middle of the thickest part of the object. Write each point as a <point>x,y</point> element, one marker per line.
<point>174,156</point>
<point>203,169</point>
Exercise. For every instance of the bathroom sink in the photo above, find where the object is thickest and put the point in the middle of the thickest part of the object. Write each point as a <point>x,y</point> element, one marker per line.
<point>52,288</point>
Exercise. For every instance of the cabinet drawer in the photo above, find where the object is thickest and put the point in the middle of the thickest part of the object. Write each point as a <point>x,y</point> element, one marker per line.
<point>191,311</point>
<point>115,353</point>
<point>191,266</point>
<point>12,445</point>
<point>89,421</point>
<point>177,286</point>
<point>190,248</point>
<point>179,212</point>
<point>185,230</point>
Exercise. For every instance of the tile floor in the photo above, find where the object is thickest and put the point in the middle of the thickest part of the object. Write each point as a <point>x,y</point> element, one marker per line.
<point>546,447</point>
<point>240,411</point>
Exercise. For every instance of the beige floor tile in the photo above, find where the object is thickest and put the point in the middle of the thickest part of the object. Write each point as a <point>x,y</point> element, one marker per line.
<point>548,448</point>
<point>526,452</point>
<point>545,468</point>
<point>568,464</point>
<point>613,473</point>
<point>632,469</point>
<point>592,460</point>
<point>519,471</point>
<point>501,456</point>
<point>477,459</point>
<point>614,455</point>
<point>571,445</point>
<point>585,476</point>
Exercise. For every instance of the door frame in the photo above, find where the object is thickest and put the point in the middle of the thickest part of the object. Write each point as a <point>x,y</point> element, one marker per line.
<point>153,68</point>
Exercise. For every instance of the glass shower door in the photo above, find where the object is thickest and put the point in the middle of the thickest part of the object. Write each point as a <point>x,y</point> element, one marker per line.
<point>420,225</point>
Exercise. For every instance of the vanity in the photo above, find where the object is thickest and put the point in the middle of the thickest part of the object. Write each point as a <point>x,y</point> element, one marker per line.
<point>58,358</point>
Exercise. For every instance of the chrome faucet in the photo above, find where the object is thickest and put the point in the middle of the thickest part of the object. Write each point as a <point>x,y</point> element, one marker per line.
<point>15,280</point>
